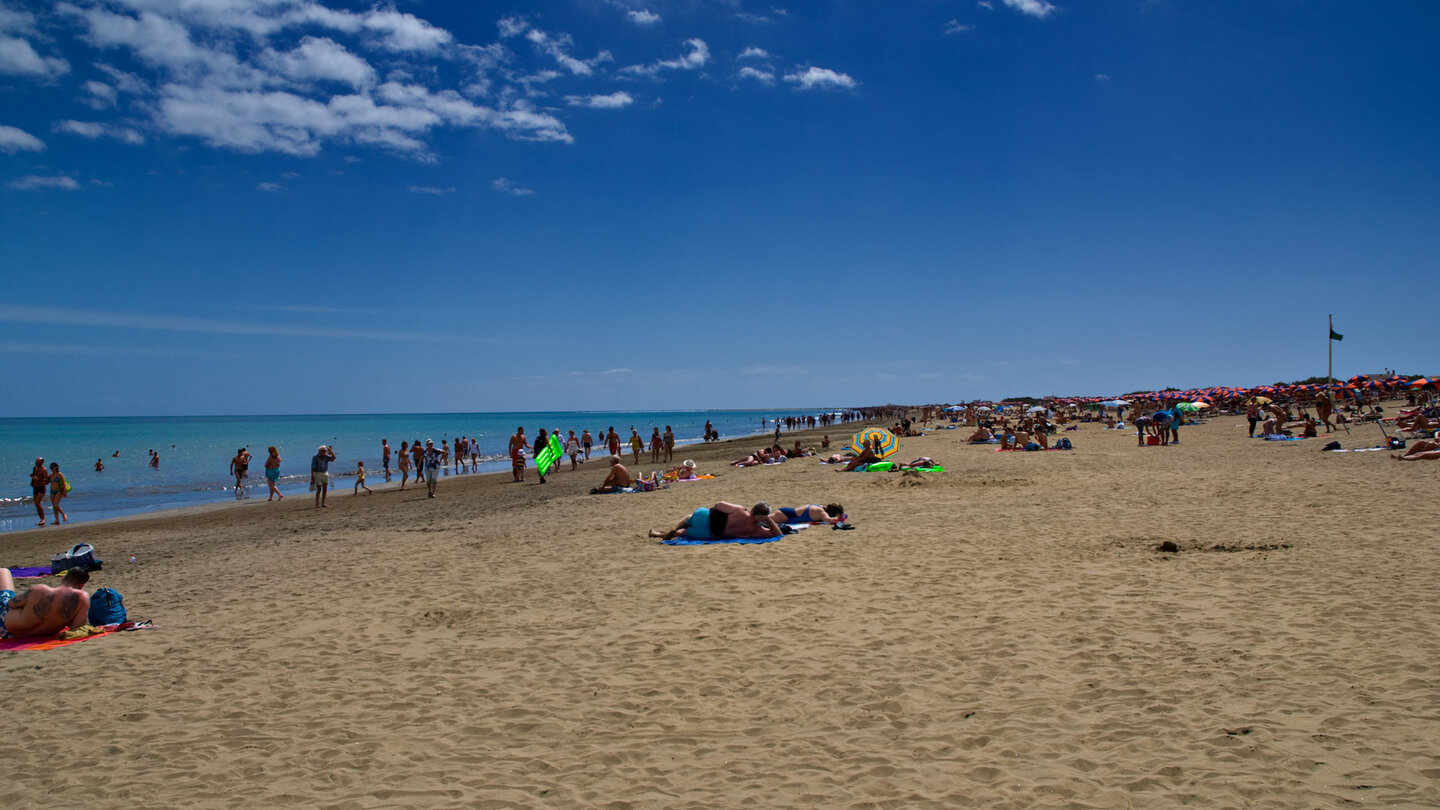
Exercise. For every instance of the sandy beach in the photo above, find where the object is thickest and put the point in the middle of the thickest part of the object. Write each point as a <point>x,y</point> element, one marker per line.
<point>1003,634</point>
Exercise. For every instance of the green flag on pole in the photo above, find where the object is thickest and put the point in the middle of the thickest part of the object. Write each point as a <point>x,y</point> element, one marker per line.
<point>1335,335</point>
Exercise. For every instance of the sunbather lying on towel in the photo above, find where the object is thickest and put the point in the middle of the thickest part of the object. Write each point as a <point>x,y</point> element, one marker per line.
<point>1422,450</point>
<point>814,513</point>
<point>724,520</point>
<point>980,436</point>
<point>42,610</point>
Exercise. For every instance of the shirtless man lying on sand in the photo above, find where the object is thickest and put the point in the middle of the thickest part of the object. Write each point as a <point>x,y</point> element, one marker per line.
<point>42,610</point>
<point>724,520</point>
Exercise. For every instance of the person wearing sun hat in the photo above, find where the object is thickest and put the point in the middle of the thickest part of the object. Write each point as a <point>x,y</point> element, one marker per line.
<point>320,474</point>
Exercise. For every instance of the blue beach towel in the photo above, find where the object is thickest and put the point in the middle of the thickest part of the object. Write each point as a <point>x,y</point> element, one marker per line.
<point>685,541</point>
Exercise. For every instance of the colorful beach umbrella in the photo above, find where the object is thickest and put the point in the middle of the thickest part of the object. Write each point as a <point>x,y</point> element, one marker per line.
<point>888,443</point>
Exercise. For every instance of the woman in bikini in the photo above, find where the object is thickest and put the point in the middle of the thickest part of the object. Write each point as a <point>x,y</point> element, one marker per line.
<point>57,491</point>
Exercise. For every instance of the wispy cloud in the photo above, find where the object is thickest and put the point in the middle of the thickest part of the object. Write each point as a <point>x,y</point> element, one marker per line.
<point>94,349</point>
<point>643,17</point>
<point>822,78</point>
<point>1102,77</point>
<point>956,27</point>
<point>504,186</point>
<point>95,130</point>
<point>438,192</point>
<point>753,53</point>
<point>88,318</point>
<point>697,57</point>
<point>765,77</point>
<point>1034,8</point>
<point>14,139</point>
<point>18,56</point>
<point>35,181</point>
<point>272,187</point>
<point>613,101</point>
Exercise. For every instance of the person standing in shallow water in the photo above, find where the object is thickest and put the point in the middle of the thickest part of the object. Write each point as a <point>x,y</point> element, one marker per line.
<point>39,480</point>
<point>57,493</point>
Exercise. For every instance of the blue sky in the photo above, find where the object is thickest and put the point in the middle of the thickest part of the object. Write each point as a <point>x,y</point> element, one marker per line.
<point>292,206</point>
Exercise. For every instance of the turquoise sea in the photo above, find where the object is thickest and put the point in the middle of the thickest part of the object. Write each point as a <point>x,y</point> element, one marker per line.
<point>195,451</point>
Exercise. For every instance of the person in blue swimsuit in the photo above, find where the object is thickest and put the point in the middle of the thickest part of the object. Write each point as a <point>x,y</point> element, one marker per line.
<point>814,513</point>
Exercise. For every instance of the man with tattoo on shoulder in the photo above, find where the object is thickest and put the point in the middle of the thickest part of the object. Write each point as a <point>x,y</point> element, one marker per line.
<point>42,610</point>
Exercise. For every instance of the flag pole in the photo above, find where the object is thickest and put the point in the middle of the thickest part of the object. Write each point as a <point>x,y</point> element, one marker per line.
<point>1330,368</point>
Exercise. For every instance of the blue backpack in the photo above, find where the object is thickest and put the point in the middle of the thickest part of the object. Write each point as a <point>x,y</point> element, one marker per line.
<point>106,607</point>
<point>1064,444</point>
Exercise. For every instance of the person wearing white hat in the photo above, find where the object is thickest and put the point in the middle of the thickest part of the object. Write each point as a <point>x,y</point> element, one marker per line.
<point>320,474</point>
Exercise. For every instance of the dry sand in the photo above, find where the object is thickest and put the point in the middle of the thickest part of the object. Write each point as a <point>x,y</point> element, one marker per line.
<point>1004,634</point>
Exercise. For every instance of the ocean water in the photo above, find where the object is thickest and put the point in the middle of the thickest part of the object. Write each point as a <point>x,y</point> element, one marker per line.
<point>195,451</point>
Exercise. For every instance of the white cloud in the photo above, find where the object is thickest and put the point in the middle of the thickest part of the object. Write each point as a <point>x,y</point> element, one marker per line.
<point>1102,77</point>
<point>812,78</point>
<point>1035,8</point>
<point>431,190</point>
<point>102,96</point>
<point>13,139</point>
<point>557,47</point>
<point>614,101</point>
<point>406,32</point>
<point>94,130</point>
<point>33,181</point>
<point>272,187</point>
<point>956,27</point>
<point>504,186</point>
<point>763,76</point>
<point>18,58</point>
<point>753,53</point>
<point>643,17</point>
<point>985,4</point>
<point>324,59</point>
<point>697,57</point>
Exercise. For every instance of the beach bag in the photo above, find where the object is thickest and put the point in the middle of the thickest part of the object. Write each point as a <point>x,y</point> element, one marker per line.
<point>67,486</point>
<point>106,607</point>
<point>1331,446</point>
<point>81,556</point>
<point>1064,444</point>
<point>1397,443</point>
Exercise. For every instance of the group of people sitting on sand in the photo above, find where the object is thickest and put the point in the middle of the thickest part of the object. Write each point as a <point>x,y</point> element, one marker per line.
<point>620,479</point>
<point>1030,433</point>
<point>732,521</point>
<point>772,455</point>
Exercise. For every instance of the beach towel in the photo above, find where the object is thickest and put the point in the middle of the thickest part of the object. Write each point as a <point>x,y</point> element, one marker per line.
<point>696,478</point>
<point>1275,437</point>
<point>685,541</point>
<point>32,644</point>
<point>30,572</point>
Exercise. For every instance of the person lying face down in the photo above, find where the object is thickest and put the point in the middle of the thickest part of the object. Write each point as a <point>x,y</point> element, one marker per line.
<point>813,513</point>
<point>724,520</point>
<point>42,610</point>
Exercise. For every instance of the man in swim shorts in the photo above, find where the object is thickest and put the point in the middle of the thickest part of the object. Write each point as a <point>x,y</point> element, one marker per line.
<point>619,478</point>
<point>43,610</point>
<point>724,520</point>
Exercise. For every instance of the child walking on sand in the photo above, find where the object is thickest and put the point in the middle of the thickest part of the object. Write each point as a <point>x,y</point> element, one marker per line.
<point>360,478</point>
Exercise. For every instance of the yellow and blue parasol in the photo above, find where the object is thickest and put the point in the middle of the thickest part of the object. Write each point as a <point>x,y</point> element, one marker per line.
<point>888,443</point>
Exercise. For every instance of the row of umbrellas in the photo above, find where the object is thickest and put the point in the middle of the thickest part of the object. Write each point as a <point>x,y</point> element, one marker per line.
<point>1203,397</point>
